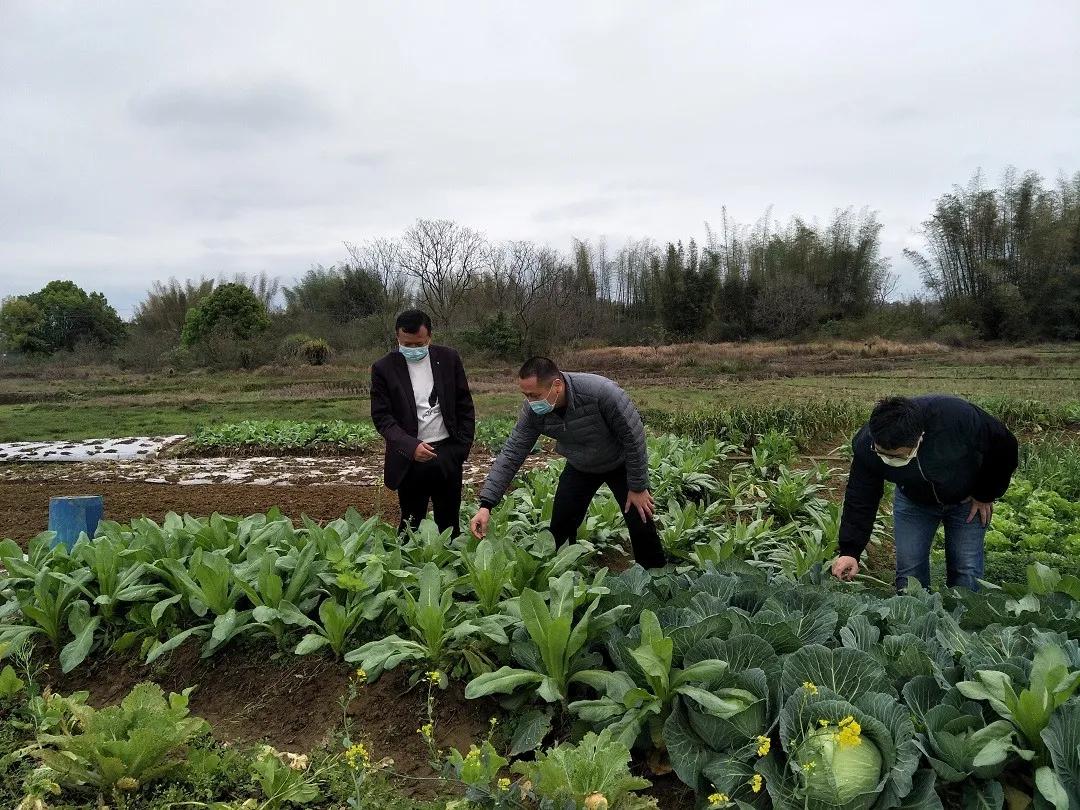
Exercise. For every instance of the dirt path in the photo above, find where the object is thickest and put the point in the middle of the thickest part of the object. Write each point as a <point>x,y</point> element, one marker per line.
<point>322,488</point>
<point>24,506</point>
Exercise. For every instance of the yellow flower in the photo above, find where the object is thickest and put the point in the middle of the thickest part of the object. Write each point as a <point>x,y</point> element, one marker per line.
<point>473,757</point>
<point>427,731</point>
<point>494,721</point>
<point>808,766</point>
<point>434,677</point>
<point>718,799</point>
<point>358,757</point>
<point>764,744</point>
<point>849,734</point>
<point>127,783</point>
<point>809,687</point>
<point>756,781</point>
<point>504,784</point>
<point>361,675</point>
<point>823,723</point>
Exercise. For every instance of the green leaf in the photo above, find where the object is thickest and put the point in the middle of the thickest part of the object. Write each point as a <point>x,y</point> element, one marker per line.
<point>501,682</point>
<point>983,796</point>
<point>10,684</point>
<point>173,642</point>
<point>724,703</point>
<point>310,643</point>
<point>705,671</point>
<point>1051,788</point>
<point>845,672</point>
<point>158,610</point>
<point>1062,739</point>
<point>83,627</point>
<point>532,727</point>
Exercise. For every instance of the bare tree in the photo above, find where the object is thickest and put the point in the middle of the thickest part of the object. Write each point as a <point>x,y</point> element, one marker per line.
<point>381,258</point>
<point>445,261</point>
<point>526,283</point>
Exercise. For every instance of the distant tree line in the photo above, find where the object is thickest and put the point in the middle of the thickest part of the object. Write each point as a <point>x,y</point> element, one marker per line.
<point>1007,260</point>
<point>1000,263</point>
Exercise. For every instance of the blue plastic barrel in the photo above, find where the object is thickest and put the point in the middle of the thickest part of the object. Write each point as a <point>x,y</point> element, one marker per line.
<point>71,515</point>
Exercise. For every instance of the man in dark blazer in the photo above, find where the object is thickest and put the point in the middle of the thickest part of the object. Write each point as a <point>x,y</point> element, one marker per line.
<point>421,404</point>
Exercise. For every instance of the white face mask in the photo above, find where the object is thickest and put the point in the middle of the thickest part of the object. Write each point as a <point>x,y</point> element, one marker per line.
<point>902,461</point>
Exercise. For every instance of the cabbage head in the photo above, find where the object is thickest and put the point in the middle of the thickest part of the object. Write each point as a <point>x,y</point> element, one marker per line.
<point>856,755</point>
<point>838,765</point>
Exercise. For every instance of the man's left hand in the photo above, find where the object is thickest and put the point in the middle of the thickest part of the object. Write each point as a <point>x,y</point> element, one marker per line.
<point>643,502</point>
<point>984,510</point>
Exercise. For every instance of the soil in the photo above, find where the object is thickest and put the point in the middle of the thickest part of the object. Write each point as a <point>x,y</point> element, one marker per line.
<point>291,703</point>
<point>24,506</point>
<point>294,704</point>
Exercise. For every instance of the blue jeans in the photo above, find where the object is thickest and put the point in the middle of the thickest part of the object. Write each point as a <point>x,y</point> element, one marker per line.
<point>914,527</point>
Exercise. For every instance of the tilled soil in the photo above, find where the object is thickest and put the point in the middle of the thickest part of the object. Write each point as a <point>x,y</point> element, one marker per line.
<point>294,703</point>
<point>24,506</point>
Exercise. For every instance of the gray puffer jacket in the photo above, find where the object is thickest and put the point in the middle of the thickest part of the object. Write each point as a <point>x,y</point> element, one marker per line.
<point>600,430</point>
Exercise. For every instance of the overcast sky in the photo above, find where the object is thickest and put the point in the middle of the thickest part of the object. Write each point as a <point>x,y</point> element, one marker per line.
<point>143,140</point>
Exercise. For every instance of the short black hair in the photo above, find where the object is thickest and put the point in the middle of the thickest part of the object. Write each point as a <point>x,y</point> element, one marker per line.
<point>896,422</point>
<point>543,368</point>
<point>411,320</point>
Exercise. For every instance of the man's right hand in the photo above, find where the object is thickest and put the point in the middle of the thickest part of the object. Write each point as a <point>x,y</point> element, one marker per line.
<point>479,524</point>
<point>845,568</point>
<point>424,452</point>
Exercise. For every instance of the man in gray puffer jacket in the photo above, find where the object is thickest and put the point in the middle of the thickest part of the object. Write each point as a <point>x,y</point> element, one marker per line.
<point>599,431</point>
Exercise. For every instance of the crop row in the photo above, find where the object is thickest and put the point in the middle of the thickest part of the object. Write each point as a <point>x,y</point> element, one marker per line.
<point>762,681</point>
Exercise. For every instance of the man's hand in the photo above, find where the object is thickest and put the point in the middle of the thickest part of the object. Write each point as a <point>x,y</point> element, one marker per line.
<point>845,568</point>
<point>424,452</point>
<point>642,501</point>
<point>984,510</point>
<point>479,524</point>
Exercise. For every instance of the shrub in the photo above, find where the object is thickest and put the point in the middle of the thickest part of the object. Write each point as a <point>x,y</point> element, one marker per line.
<point>232,310</point>
<point>496,336</point>
<point>316,352</point>
<point>291,345</point>
<point>957,335</point>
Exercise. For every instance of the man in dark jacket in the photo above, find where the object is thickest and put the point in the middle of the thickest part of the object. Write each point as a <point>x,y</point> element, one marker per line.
<point>599,431</point>
<point>950,461</point>
<point>421,404</point>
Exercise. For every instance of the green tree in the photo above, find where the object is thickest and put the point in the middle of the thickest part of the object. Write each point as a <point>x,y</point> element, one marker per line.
<point>59,316</point>
<point>22,326</point>
<point>1004,259</point>
<point>341,294</point>
<point>231,309</point>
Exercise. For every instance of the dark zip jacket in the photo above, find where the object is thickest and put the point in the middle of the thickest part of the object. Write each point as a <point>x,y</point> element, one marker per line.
<point>965,452</point>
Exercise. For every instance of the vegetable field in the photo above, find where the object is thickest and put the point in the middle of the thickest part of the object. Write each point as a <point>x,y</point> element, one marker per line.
<point>742,673</point>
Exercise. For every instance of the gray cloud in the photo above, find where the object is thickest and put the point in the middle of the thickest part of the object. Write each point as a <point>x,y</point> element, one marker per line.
<point>576,211</point>
<point>220,111</point>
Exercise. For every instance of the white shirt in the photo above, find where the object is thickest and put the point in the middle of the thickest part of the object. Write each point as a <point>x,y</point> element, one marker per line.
<point>428,417</point>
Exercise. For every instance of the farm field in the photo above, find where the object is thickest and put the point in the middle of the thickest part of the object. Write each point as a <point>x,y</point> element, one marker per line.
<point>315,659</point>
<point>89,403</point>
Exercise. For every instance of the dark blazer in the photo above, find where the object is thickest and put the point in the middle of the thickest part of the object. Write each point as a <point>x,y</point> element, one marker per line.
<point>965,452</point>
<point>393,408</point>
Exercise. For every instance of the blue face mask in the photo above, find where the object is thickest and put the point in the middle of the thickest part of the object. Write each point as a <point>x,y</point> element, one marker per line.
<point>542,406</point>
<point>414,354</point>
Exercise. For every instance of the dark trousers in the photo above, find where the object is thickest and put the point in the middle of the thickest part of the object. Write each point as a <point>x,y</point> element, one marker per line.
<point>577,489</point>
<point>437,482</point>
